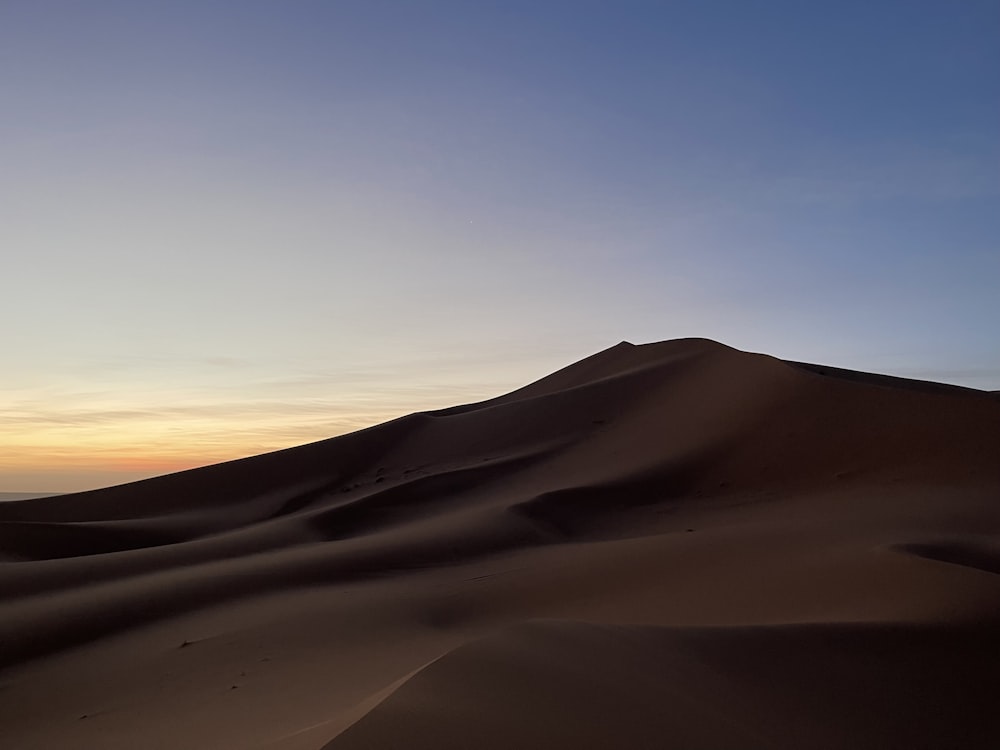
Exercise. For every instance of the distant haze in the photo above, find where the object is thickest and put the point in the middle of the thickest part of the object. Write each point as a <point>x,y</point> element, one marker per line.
<point>234,227</point>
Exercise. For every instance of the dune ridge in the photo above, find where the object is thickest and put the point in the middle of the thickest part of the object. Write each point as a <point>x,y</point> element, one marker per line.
<point>624,538</point>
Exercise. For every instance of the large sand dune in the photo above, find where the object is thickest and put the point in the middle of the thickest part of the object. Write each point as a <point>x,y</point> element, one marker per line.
<point>675,545</point>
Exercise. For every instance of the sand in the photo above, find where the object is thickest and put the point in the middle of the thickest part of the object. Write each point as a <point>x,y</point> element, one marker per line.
<point>673,545</point>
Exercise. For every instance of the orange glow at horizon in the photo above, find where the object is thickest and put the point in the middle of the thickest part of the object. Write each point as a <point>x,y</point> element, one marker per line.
<point>74,442</point>
<point>157,448</point>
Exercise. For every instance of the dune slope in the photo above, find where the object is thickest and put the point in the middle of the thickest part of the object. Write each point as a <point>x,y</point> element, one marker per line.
<point>667,545</point>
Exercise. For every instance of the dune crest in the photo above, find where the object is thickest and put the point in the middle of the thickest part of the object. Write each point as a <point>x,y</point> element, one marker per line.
<point>685,540</point>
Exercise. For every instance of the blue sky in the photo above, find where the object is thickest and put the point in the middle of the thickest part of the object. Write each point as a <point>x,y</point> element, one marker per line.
<point>236,226</point>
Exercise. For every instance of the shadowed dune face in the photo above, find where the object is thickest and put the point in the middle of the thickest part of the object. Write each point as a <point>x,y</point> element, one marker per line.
<point>685,487</point>
<point>982,554</point>
<point>700,689</point>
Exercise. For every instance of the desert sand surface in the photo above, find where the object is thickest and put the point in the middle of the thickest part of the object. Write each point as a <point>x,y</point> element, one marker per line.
<point>673,545</point>
<point>5,496</point>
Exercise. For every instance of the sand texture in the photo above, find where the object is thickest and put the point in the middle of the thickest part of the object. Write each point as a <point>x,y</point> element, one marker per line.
<point>675,545</point>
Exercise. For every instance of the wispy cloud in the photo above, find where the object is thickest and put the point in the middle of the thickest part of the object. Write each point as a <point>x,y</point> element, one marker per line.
<point>179,432</point>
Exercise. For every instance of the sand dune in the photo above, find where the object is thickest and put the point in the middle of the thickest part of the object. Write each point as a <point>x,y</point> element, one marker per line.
<point>6,496</point>
<point>674,545</point>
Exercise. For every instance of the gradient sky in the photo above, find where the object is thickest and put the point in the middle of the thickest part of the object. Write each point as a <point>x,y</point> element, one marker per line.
<point>229,227</point>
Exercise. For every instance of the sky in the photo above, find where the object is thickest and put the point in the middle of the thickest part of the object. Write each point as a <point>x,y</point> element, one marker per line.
<point>232,227</point>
